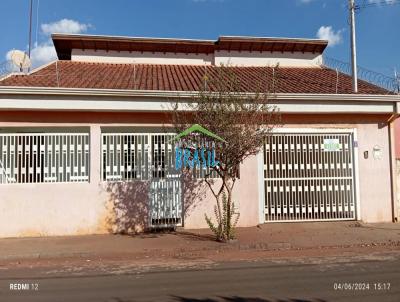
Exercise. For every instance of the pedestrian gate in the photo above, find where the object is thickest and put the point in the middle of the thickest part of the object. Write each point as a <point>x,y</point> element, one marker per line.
<point>146,157</point>
<point>309,176</point>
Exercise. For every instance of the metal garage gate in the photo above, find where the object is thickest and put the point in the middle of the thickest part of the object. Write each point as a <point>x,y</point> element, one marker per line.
<point>309,176</point>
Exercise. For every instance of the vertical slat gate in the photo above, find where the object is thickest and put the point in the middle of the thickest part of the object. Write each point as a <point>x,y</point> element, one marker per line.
<point>166,183</point>
<point>309,177</point>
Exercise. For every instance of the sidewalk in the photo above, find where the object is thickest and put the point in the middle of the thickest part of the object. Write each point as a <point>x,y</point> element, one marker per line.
<point>276,237</point>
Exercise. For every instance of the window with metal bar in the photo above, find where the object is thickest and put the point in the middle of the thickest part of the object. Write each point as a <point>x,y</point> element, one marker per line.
<point>44,157</point>
<point>141,156</point>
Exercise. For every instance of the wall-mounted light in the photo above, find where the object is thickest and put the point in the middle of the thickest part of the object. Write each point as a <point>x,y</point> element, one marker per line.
<point>377,152</point>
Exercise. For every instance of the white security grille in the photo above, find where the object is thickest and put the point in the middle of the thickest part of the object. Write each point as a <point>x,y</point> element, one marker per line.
<point>125,156</point>
<point>151,157</point>
<point>44,157</point>
<point>309,177</point>
<point>3,175</point>
<point>166,183</point>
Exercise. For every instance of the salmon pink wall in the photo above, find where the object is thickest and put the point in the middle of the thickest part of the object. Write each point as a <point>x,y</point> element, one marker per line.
<point>99,207</point>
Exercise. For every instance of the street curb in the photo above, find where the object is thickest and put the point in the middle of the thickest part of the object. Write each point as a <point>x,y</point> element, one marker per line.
<point>46,256</point>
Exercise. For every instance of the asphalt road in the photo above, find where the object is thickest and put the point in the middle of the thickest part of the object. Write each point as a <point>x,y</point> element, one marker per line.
<point>284,281</point>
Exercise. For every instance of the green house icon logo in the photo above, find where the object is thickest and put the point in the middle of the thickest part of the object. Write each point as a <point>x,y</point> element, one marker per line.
<point>199,129</point>
<point>199,156</point>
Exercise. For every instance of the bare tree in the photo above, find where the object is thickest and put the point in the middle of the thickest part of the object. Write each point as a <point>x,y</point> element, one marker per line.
<point>243,119</point>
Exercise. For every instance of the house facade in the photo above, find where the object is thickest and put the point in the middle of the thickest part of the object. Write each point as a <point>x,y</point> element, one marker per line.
<point>85,141</point>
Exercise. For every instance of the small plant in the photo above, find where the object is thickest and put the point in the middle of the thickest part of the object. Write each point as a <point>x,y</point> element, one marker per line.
<point>224,228</point>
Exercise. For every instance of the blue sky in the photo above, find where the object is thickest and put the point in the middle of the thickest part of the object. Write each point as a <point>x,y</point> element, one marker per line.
<point>378,36</point>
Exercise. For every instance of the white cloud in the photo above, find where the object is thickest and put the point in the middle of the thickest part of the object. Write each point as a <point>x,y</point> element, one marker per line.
<point>44,52</point>
<point>208,0</point>
<point>327,33</point>
<point>8,54</point>
<point>380,1</point>
<point>64,26</point>
<point>313,1</point>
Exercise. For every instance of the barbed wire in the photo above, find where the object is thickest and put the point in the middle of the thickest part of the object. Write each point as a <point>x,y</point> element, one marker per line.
<point>6,68</point>
<point>375,3</point>
<point>389,83</point>
<point>56,76</point>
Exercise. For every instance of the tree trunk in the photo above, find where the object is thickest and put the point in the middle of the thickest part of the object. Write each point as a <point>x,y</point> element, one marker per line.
<point>228,215</point>
<point>220,226</point>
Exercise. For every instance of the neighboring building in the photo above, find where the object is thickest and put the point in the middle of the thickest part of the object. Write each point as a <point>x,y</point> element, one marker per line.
<point>83,150</point>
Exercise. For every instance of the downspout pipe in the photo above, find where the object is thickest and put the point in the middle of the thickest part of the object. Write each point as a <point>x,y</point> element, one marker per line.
<point>393,167</point>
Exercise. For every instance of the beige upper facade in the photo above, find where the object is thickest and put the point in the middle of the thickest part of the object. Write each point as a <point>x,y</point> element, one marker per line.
<point>235,58</point>
<point>235,51</point>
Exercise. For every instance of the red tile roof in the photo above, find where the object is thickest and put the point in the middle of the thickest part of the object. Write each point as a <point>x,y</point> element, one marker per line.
<point>184,78</point>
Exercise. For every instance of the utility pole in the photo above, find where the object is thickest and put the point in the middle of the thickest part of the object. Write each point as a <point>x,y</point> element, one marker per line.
<point>353,45</point>
<point>30,30</point>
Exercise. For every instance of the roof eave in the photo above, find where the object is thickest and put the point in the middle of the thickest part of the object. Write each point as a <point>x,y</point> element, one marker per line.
<point>18,90</point>
<point>64,43</point>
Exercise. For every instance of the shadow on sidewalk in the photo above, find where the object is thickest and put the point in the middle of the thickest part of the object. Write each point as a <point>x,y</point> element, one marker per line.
<point>159,233</point>
<point>243,299</point>
<point>230,299</point>
<point>194,236</point>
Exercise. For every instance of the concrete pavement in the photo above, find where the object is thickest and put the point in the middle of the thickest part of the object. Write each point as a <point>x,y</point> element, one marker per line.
<point>189,243</point>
